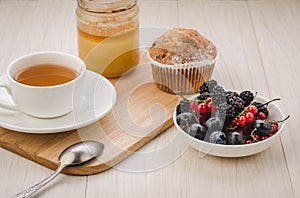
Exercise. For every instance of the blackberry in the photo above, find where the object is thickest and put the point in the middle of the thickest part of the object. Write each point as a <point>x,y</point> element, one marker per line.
<point>230,94</point>
<point>237,103</point>
<point>261,108</point>
<point>247,96</point>
<point>228,120</point>
<point>219,95</point>
<point>226,109</point>
<point>208,86</point>
<point>203,96</point>
<point>222,108</point>
<point>184,106</point>
<point>228,112</point>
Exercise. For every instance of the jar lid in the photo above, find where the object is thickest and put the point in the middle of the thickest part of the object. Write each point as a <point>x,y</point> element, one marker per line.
<point>106,6</point>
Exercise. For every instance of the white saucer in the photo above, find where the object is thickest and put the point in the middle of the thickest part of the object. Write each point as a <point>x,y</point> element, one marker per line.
<point>97,100</point>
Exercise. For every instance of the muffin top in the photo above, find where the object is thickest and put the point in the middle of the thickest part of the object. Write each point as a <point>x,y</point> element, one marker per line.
<point>180,46</point>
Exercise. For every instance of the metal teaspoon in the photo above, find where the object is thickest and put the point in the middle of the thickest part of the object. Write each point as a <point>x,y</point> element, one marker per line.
<point>75,154</point>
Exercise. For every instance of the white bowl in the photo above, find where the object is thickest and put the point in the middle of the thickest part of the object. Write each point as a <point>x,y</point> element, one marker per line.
<point>235,150</point>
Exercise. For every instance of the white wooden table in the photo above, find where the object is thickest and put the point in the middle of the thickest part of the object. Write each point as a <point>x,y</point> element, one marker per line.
<point>260,50</point>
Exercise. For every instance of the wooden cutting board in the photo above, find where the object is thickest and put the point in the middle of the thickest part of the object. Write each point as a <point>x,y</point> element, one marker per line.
<point>142,112</point>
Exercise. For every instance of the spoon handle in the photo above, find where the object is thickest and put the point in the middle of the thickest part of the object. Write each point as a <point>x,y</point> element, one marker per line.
<point>31,190</point>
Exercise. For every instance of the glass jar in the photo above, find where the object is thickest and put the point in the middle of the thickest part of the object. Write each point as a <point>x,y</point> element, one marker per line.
<point>108,35</point>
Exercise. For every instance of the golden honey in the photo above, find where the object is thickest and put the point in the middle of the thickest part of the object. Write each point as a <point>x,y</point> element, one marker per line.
<point>108,37</point>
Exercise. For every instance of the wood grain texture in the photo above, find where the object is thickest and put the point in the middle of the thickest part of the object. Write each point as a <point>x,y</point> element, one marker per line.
<point>259,45</point>
<point>278,37</point>
<point>124,130</point>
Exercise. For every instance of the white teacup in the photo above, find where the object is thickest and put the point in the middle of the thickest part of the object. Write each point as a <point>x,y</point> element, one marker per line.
<point>43,101</point>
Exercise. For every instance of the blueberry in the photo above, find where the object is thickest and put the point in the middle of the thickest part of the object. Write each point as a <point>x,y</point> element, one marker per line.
<point>263,128</point>
<point>235,138</point>
<point>185,120</point>
<point>218,137</point>
<point>197,130</point>
<point>214,124</point>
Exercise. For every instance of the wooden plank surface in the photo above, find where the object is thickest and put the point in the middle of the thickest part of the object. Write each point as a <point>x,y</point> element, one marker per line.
<point>259,44</point>
<point>136,118</point>
<point>277,30</point>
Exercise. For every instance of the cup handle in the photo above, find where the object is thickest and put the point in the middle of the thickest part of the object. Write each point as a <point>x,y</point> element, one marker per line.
<point>4,104</point>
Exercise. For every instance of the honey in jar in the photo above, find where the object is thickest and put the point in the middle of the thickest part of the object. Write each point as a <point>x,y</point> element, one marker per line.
<point>108,35</point>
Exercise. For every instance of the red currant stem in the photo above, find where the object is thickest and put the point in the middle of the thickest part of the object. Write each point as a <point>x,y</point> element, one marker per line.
<point>271,101</point>
<point>251,134</point>
<point>253,131</point>
<point>278,121</point>
<point>200,101</point>
<point>232,128</point>
<point>186,122</point>
<point>246,108</point>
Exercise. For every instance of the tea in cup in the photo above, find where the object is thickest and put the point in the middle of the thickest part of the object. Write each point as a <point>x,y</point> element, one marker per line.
<point>42,84</point>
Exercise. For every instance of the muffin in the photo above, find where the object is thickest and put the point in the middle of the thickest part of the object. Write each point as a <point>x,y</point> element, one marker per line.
<point>181,60</point>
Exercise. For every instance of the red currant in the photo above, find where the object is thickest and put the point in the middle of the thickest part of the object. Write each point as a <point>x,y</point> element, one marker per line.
<point>202,119</point>
<point>202,108</point>
<point>248,142</point>
<point>249,117</point>
<point>274,128</point>
<point>264,137</point>
<point>211,107</point>
<point>194,106</point>
<point>242,121</point>
<point>255,137</point>
<point>208,100</point>
<point>234,122</point>
<point>240,131</point>
<point>253,109</point>
<point>261,116</point>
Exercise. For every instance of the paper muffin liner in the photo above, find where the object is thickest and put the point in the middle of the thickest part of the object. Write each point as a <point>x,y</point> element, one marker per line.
<point>182,78</point>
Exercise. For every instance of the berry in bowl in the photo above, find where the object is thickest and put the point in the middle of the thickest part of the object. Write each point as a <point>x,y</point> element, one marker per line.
<point>228,123</point>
